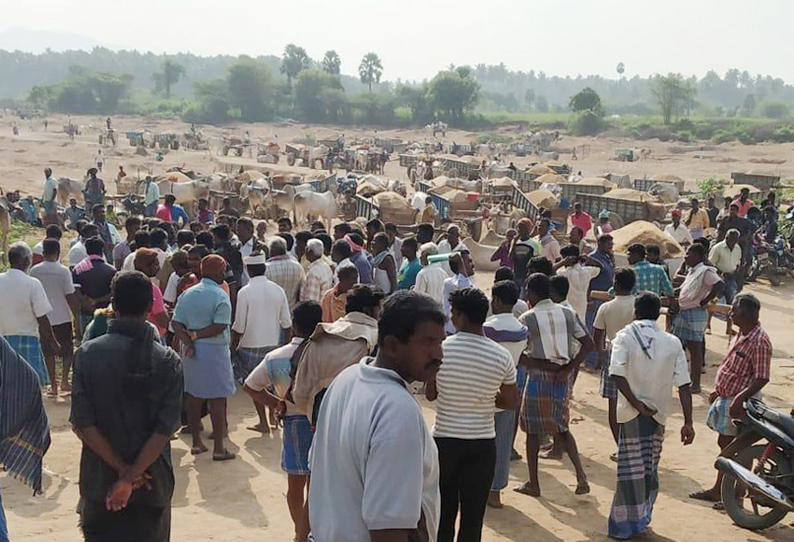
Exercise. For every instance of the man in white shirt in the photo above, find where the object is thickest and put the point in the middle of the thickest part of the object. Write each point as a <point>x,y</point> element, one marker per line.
<point>449,245</point>
<point>646,364</point>
<point>611,317</point>
<point>78,253</point>
<point>678,231</point>
<point>248,244</point>
<point>476,376</point>
<point>549,246</point>
<point>319,276</point>
<point>726,256</point>
<point>463,268</point>
<point>262,315</point>
<point>23,318</point>
<point>374,465</point>
<point>58,285</point>
<point>151,198</point>
<point>579,276</point>
<point>430,279</point>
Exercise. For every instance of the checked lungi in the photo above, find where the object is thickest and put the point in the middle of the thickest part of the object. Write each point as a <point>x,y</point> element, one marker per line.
<point>608,388</point>
<point>245,361</point>
<point>719,417</point>
<point>29,348</point>
<point>639,450</point>
<point>545,404</point>
<point>690,324</point>
<point>591,360</point>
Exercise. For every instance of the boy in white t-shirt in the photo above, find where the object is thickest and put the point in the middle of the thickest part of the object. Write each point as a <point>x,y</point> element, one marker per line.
<point>611,317</point>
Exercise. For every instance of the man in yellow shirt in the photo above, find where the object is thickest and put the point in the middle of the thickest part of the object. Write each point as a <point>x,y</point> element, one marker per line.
<point>697,221</point>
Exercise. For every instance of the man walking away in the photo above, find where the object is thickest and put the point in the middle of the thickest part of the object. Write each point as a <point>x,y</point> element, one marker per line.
<point>646,362</point>
<point>58,285</point>
<point>742,375</point>
<point>375,475</point>
<point>261,318</point>
<point>476,376</point>
<point>268,385</point>
<point>430,280</point>
<point>126,404</point>
<point>151,198</point>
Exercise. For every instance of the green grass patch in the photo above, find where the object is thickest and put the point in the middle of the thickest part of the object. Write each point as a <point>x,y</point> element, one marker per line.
<point>22,231</point>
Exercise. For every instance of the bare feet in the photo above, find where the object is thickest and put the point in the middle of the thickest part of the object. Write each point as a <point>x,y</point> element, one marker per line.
<point>225,455</point>
<point>65,386</point>
<point>582,487</point>
<point>495,499</point>
<point>709,495</point>
<point>53,391</point>
<point>527,488</point>
<point>260,428</point>
<point>551,454</point>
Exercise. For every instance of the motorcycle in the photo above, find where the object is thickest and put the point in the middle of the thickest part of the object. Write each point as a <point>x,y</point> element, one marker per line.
<point>758,483</point>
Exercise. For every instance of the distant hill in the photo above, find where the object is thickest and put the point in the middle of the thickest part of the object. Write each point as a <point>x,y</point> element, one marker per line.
<point>38,41</point>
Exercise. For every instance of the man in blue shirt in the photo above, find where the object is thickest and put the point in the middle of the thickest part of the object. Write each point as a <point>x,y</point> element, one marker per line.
<point>411,266</point>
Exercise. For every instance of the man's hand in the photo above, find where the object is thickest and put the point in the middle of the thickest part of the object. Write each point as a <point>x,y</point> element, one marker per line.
<point>645,410</point>
<point>713,397</point>
<point>119,495</point>
<point>736,409</point>
<point>687,434</point>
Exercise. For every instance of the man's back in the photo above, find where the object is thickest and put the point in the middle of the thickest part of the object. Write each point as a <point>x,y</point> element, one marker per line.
<point>125,409</point>
<point>24,300</point>
<point>288,274</point>
<point>57,282</point>
<point>430,281</point>
<point>374,464</point>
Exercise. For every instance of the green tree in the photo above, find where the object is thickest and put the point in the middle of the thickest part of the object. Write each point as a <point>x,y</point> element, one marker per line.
<point>674,94</point>
<point>370,69</point>
<point>251,89</point>
<point>749,105</point>
<point>309,86</point>
<point>332,63</point>
<point>621,69</point>
<point>294,61</point>
<point>416,100</point>
<point>542,104</point>
<point>212,104</point>
<point>170,75</point>
<point>775,110</point>
<point>529,97</point>
<point>586,99</point>
<point>453,93</point>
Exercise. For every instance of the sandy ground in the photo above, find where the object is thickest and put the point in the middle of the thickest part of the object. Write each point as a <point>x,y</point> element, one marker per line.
<point>245,499</point>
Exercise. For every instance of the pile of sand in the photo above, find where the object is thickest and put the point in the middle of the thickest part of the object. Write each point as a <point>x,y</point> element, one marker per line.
<point>540,169</point>
<point>646,233</point>
<point>596,181</point>
<point>667,177</point>
<point>543,198</point>
<point>394,208</point>
<point>551,178</point>
<point>631,195</point>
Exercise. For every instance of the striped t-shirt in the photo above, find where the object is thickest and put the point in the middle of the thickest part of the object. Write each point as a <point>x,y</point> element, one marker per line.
<point>472,371</point>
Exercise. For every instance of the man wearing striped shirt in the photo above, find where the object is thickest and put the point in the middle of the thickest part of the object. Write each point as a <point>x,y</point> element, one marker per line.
<point>477,376</point>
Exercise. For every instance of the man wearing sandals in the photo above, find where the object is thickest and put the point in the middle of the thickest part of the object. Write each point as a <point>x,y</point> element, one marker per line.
<point>646,362</point>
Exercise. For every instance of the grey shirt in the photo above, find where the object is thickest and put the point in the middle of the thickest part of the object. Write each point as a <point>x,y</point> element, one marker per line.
<point>374,464</point>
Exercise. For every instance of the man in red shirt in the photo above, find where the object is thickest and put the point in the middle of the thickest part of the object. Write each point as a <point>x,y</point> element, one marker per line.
<point>581,219</point>
<point>744,202</point>
<point>742,375</point>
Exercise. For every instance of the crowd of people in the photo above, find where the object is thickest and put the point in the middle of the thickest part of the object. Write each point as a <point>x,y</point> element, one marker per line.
<point>332,334</point>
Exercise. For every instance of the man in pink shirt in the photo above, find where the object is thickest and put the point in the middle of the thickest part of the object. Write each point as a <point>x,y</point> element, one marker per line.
<point>147,263</point>
<point>744,202</point>
<point>581,219</point>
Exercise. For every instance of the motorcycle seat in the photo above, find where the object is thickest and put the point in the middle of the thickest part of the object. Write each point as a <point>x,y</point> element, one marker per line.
<point>780,419</point>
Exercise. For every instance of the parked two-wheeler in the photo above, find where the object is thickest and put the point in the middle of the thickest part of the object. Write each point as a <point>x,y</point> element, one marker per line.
<point>758,483</point>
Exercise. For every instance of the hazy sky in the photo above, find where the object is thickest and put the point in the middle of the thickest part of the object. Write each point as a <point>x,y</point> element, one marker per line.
<point>416,38</point>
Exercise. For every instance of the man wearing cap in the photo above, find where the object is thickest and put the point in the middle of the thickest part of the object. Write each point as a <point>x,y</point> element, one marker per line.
<point>678,231</point>
<point>151,198</point>
<point>263,314</point>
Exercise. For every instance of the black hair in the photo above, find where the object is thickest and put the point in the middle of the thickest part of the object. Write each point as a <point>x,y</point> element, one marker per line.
<point>381,237</point>
<point>504,273</point>
<point>362,297</point>
<point>559,285</point>
<point>538,283</point>
<point>245,221</point>
<point>506,291</point>
<point>132,293</point>
<point>256,270</point>
<point>94,246</point>
<point>200,249</point>
<point>132,221</point>
<point>472,303</point>
<point>50,247</point>
<point>348,271</point>
<point>158,237</point>
<point>748,303</point>
<point>426,229</point>
<point>89,230</point>
<point>222,231</point>
<point>375,224</point>
<point>699,249</point>
<point>326,240</point>
<point>404,311</point>
<point>647,306</point>
<point>356,238</point>
<point>170,198</point>
<point>80,224</point>
<point>185,237</point>
<point>411,242</point>
<point>284,220</point>
<point>705,243</point>
<point>343,227</point>
<point>142,239</point>
<point>97,207</point>
<point>303,237</point>
<point>625,279</point>
<point>53,231</point>
<point>653,249</point>
<point>604,238</point>
<point>342,246</point>
<point>306,315</point>
<point>540,264</point>
<point>390,226</point>
<point>455,264</point>
<point>569,250</point>
<point>288,239</point>
<point>205,238</point>
<point>637,249</point>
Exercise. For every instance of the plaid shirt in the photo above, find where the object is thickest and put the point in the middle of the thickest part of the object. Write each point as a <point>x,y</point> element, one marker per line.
<point>288,274</point>
<point>319,279</point>
<point>651,278</point>
<point>748,358</point>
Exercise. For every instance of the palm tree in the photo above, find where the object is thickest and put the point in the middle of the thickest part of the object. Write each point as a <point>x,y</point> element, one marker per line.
<point>370,69</point>
<point>332,63</point>
<point>294,61</point>
<point>621,68</point>
<point>170,75</point>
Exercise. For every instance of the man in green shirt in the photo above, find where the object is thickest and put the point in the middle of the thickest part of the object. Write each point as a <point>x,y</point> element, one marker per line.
<point>406,277</point>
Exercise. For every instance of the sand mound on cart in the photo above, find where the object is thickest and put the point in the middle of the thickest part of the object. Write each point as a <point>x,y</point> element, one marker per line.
<point>735,190</point>
<point>543,198</point>
<point>595,181</point>
<point>631,195</point>
<point>646,233</point>
<point>394,208</point>
<point>540,169</point>
<point>174,177</point>
<point>551,178</point>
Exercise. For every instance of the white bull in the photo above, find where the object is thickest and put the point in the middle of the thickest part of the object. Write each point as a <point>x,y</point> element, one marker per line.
<point>320,205</point>
<point>69,188</point>
<point>256,194</point>
<point>187,192</point>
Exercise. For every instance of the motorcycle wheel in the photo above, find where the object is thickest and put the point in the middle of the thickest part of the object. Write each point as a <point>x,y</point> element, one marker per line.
<point>754,511</point>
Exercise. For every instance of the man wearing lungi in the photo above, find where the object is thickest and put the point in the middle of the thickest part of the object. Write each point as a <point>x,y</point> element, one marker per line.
<point>646,362</point>
<point>553,333</point>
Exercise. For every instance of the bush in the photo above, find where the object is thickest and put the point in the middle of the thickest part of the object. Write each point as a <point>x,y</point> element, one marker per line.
<point>685,136</point>
<point>744,137</point>
<point>587,123</point>
<point>723,136</point>
<point>775,110</point>
<point>783,134</point>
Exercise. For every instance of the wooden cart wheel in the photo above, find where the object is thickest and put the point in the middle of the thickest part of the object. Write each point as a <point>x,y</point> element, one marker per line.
<point>291,159</point>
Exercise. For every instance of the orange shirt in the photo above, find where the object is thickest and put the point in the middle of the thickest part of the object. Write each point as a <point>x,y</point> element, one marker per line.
<point>333,305</point>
